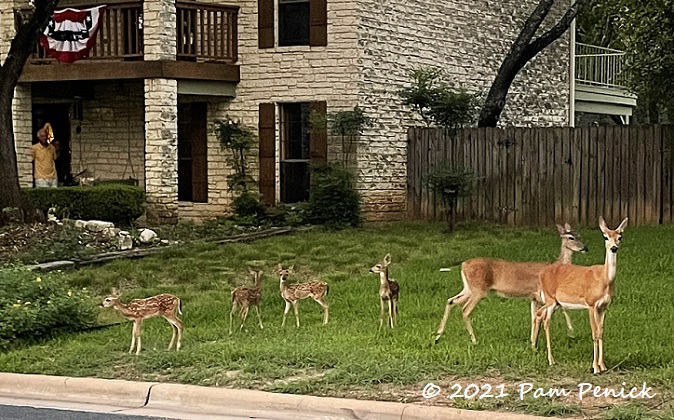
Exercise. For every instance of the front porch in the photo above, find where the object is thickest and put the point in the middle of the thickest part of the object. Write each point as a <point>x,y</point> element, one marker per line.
<point>142,105</point>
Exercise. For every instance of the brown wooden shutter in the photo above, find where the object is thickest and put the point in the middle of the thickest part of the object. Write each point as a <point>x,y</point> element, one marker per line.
<point>265,23</point>
<point>199,153</point>
<point>318,145</point>
<point>267,154</point>
<point>318,19</point>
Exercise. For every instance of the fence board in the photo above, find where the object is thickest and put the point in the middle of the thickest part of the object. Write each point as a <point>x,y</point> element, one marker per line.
<point>537,176</point>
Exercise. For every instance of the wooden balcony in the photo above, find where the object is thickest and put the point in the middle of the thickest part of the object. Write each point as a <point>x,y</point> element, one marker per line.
<point>206,45</point>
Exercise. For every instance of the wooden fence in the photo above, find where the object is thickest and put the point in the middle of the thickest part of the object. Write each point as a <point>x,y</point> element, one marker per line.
<point>539,176</point>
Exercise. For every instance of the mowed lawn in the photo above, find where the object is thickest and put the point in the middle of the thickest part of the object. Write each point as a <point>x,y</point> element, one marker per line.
<point>349,356</point>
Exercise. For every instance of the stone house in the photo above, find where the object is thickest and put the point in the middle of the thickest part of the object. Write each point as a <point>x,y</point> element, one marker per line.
<point>143,105</point>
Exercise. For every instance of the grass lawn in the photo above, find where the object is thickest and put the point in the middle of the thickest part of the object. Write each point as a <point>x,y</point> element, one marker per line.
<point>349,356</point>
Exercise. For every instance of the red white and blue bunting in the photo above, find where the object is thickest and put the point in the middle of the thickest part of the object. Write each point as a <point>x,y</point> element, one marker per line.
<point>71,33</point>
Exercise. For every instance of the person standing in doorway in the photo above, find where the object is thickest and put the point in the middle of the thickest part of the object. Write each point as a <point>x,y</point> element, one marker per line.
<point>44,154</point>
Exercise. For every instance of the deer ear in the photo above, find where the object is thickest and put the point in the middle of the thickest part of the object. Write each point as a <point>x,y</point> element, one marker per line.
<point>567,227</point>
<point>602,224</point>
<point>114,291</point>
<point>279,267</point>
<point>622,226</point>
<point>561,230</point>
<point>387,259</point>
<point>290,269</point>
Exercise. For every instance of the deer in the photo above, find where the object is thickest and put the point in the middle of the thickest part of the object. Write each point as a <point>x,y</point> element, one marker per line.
<point>168,306</point>
<point>293,293</point>
<point>388,292</point>
<point>580,287</point>
<point>508,279</point>
<point>246,297</point>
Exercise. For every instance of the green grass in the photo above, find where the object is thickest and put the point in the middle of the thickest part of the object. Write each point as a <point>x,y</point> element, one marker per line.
<point>350,356</point>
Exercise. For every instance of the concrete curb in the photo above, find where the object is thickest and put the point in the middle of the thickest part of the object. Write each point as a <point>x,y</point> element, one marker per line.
<point>80,390</point>
<point>152,396</point>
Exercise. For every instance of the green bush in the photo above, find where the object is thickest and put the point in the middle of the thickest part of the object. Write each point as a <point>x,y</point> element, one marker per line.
<point>333,199</point>
<point>247,205</point>
<point>120,204</point>
<point>32,307</point>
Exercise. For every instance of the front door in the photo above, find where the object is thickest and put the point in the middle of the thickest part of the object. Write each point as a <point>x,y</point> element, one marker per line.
<point>192,153</point>
<point>58,116</point>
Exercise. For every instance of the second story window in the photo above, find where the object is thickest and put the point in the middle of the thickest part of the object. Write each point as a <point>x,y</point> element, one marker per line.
<point>293,22</point>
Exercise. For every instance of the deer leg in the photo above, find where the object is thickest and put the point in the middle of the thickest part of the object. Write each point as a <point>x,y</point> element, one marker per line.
<point>535,324</point>
<point>382,311</point>
<point>138,332</point>
<point>231,316</point>
<point>569,325</point>
<point>600,328</point>
<point>297,314</point>
<point>595,340</point>
<point>467,309</point>
<point>326,309</point>
<point>133,337</point>
<point>244,315</point>
<point>546,313</point>
<point>390,313</point>
<point>456,300</point>
<point>257,311</point>
<point>285,312</point>
<point>174,328</point>
<point>179,328</point>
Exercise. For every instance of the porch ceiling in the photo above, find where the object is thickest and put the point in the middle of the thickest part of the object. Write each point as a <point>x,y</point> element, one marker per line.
<point>95,70</point>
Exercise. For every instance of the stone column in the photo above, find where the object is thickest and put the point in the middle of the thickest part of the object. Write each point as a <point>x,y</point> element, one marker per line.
<point>161,114</point>
<point>22,114</point>
<point>161,150</point>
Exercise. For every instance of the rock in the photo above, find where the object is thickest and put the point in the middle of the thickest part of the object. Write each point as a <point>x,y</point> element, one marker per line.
<point>148,236</point>
<point>98,225</point>
<point>124,240</point>
<point>51,215</point>
<point>111,232</point>
<point>80,224</point>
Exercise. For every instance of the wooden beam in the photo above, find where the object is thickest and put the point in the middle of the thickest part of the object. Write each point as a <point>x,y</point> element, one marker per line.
<point>94,70</point>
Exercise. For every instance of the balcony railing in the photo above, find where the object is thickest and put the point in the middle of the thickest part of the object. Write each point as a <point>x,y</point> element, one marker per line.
<point>205,32</point>
<point>600,66</point>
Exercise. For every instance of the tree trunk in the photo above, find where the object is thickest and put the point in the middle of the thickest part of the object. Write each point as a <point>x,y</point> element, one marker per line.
<point>22,46</point>
<point>521,52</point>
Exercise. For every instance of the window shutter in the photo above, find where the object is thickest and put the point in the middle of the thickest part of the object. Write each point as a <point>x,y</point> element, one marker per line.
<point>267,183</point>
<point>199,154</point>
<point>318,143</point>
<point>318,19</point>
<point>265,23</point>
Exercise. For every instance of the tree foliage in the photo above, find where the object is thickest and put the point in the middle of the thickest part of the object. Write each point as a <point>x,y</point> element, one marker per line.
<point>643,28</point>
<point>438,103</point>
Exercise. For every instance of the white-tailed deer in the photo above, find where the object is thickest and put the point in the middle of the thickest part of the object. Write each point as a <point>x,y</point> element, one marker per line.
<point>168,306</point>
<point>293,293</point>
<point>245,297</point>
<point>388,291</point>
<point>507,279</point>
<point>578,287</point>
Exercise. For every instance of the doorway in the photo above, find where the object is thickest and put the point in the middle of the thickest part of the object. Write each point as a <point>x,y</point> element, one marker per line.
<point>58,115</point>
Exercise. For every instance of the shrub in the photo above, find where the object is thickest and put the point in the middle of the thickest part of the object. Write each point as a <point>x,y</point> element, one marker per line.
<point>333,200</point>
<point>450,184</point>
<point>247,205</point>
<point>32,307</point>
<point>120,204</point>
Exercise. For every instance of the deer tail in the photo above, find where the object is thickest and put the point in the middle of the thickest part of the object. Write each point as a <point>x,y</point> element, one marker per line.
<point>180,306</point>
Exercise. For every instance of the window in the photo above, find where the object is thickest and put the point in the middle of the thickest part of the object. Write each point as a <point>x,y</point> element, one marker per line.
<point>299,22</point>
<point>293,22</point>
<point>299,147</point>
<point>295,140</point>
